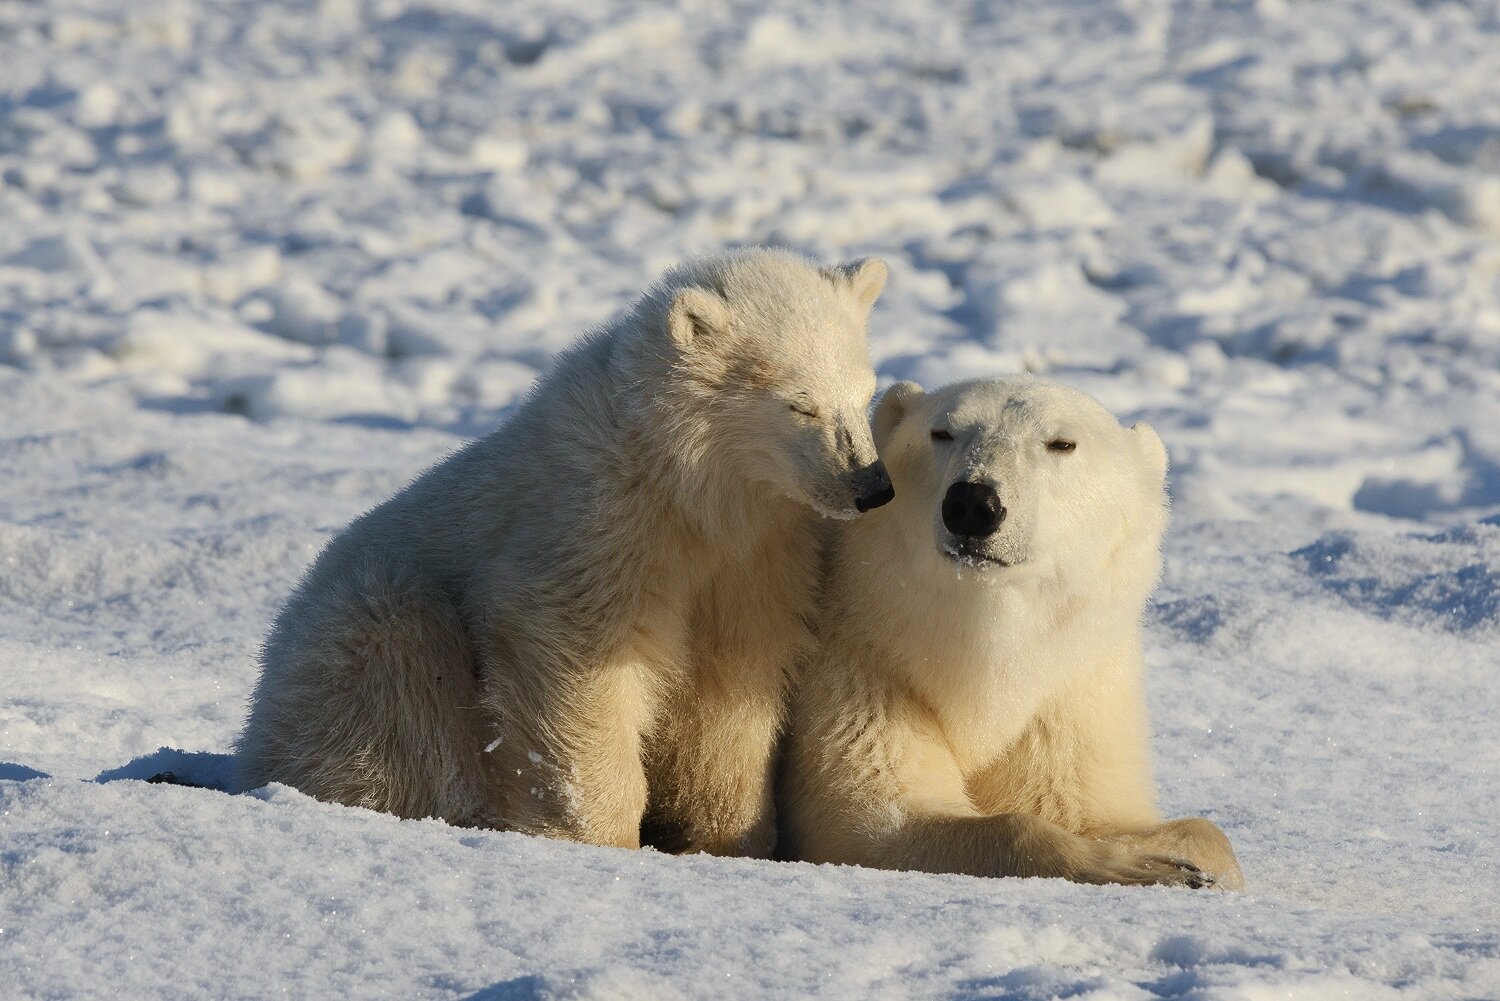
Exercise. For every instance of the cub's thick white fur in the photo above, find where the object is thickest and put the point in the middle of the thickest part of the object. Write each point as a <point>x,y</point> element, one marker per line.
<point>976,703</point>
<point>582,625</point>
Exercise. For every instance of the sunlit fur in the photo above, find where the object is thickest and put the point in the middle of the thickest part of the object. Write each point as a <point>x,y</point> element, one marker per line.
<point>968,716</point>
<point>608,593</point>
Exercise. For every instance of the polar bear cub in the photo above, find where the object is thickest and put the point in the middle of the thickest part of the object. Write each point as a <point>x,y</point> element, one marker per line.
<point>976,703</point>
<point>582,625</point>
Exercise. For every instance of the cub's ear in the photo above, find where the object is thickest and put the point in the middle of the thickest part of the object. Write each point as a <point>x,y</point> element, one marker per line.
<point>865,278</point>
<point>696,313</point>
<point>1152,452</point>
<point>894,405</point>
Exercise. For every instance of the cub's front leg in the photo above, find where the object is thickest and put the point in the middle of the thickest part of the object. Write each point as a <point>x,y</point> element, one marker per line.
<point>712,759</point>
<point>568,758</point>
<point>712,756</point>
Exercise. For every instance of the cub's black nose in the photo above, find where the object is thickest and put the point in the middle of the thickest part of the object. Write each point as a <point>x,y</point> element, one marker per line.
<point>873,500</point>
<point>877,491</point>
<point>972,510</point>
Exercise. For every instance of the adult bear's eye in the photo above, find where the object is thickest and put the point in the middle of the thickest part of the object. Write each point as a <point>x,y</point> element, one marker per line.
<point>1061,445</point>
<point>938,434</point>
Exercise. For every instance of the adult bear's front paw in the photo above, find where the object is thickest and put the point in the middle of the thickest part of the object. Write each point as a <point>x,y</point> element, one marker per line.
<point>1130,868</point>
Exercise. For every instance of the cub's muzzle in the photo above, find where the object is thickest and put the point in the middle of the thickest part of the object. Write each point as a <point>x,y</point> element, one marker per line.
<point>873,485</point>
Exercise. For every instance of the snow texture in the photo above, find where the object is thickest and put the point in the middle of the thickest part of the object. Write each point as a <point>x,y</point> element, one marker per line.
<point>260,263</point>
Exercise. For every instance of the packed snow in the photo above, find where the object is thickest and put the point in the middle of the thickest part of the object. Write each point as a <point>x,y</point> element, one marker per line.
<point>261,263</point>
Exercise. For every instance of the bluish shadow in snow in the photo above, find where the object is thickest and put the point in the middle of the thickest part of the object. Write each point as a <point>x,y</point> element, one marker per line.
<point>1395,579</point>
<point>182,405</point>
<point>528,988</point>
<point>1476,483</point>
<point>375,422</point>
<point>1192,967</point>
<point>1196,619</point>
<point>1029,983</point>
<point>12,772</point>
<point>198,768</point>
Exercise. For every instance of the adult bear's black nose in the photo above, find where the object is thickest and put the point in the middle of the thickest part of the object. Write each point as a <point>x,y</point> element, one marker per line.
<point>875,490</point>
<point>972,510</point>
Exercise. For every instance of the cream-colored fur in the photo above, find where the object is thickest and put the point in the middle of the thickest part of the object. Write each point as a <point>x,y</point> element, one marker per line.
<point>979,710</point>
<point>582,625</point>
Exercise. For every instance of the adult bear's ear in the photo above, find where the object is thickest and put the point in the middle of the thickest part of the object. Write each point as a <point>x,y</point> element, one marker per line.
<point>1152,452</point>
<point>865,278</point>
<point>696,313</point>
<point>894,405</point>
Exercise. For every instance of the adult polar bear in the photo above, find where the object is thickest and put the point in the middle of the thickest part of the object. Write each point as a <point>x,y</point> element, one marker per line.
<point>585,621</point>
<point>976,705</point>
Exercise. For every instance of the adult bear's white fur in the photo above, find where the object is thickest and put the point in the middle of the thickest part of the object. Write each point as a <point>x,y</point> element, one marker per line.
<point>976,704</point>
<point>586,619</point>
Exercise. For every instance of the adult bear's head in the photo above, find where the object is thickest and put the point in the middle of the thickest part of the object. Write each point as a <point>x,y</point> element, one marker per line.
<point>771,369</point>
<point>1022,478</point>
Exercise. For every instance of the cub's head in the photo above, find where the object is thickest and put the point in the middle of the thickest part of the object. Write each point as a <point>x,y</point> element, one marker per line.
<point>1020,475</point>
<point>772,352</point>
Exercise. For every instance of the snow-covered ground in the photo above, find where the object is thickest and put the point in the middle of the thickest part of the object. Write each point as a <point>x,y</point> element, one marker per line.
<point>261,262</point>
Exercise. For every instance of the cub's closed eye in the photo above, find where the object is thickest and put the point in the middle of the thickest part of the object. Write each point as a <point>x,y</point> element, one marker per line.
<point>1061,445</point>
<point>938,434</point>
<point>805,409</point>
